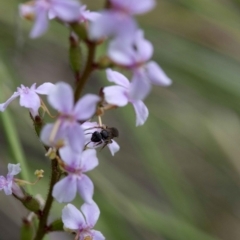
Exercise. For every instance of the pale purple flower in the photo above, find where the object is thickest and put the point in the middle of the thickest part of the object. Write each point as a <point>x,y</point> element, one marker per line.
<point>118,21</point>
<point>67,128</point>
<point>127,92</point>
<point>43,10</point>
<point>82,222</point>
<point>89,129</point>
<point>7,184</point>
<point>135,56</point>
<point>29,97</point>
<point>76,164</point>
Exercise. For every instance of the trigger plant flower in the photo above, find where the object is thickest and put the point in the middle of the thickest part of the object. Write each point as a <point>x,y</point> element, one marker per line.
<point>82,222</point>
<point>127,92</point>
<point>7,183</point>
<point>67,130</point>
<point>135,56</point>
<point>29,97</point>
<point>75,165</point>
<point>43,10</point>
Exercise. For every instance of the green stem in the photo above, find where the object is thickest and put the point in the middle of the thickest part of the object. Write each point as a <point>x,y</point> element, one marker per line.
<point>42,227</point>
<point>88,69</point>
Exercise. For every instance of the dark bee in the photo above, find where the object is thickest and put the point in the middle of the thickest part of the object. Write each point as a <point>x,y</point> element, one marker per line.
<point>104,136</point>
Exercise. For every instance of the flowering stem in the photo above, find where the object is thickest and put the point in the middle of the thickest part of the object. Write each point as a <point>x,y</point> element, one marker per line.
<point>42,227</point>
<point>88,69</point>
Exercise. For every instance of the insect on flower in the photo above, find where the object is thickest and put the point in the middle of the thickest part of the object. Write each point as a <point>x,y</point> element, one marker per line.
<point>104,136</point>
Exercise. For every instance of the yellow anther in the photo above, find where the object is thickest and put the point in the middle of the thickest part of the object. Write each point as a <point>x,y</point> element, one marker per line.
<point>39,173</point>
<point>51,153</point>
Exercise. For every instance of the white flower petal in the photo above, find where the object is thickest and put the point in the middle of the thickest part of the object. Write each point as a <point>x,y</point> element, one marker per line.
<point>139,87</point>
<point>141,112</point>
<point>156,75</point>
<point>134,6</point>
<point>86,106</point>
<point>14,169</point>
<point>70,157</point>
<point>67,10</point>
<point>76,138</point>
<point>144,47</point>
<point>89,160</point>
<point>65,190</point>
<point>44,88</point>
<point>41,22</point>
<point>112,23</point>
<point>91,213</point>
<point>61,97</point>
<point>97,235</point>
<point>72,218</point>
<point>122,52</point>
<point>118,78</point>
<point>3,106</point>
<point>8,188</point>
<point>116,95</point>
<point>85,188</point>
<point>113,147</point>
<point>30,100</point>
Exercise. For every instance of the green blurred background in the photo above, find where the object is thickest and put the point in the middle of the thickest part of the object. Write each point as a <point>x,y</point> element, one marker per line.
<point>178,176</point>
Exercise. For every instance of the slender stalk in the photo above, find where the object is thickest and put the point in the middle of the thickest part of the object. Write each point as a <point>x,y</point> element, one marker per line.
<point>42,227</point>
<point>88,69</point>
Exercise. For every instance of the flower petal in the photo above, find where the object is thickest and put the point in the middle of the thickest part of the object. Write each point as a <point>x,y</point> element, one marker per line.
<point>85,188</point>
<point>65,190</point>
<point>86,106</point>
<point>97,235</point>
<point>67,10</point>
<point>70,157</point>
<point>113,147</point>
<point>17,190</point>
<point>122,52</point>
<point>30,100</point>
<point>14,169</point>
<point>76,138</point>
<point>91,213</point>
<point>144,48</point>
<point>112,23</point>
<point>156,75</point>
<point>72,218</point>
<point>61,97</point>
<point>116,95</point>
<point>141,112</point>
<point>87,15</point>
<point>45,88</point>
<point>89,160</point>
<point>139,87</point>
<point>3,106</point>
<point>118,78</point>
<point>41,22</point>
<point>92,126</point>
<point>133,6</point>
<point>47,132</point>
<point>3,182</point>
<point>8,188</point>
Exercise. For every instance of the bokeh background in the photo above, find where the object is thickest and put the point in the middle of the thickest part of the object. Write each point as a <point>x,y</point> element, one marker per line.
<point>178,176</point>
